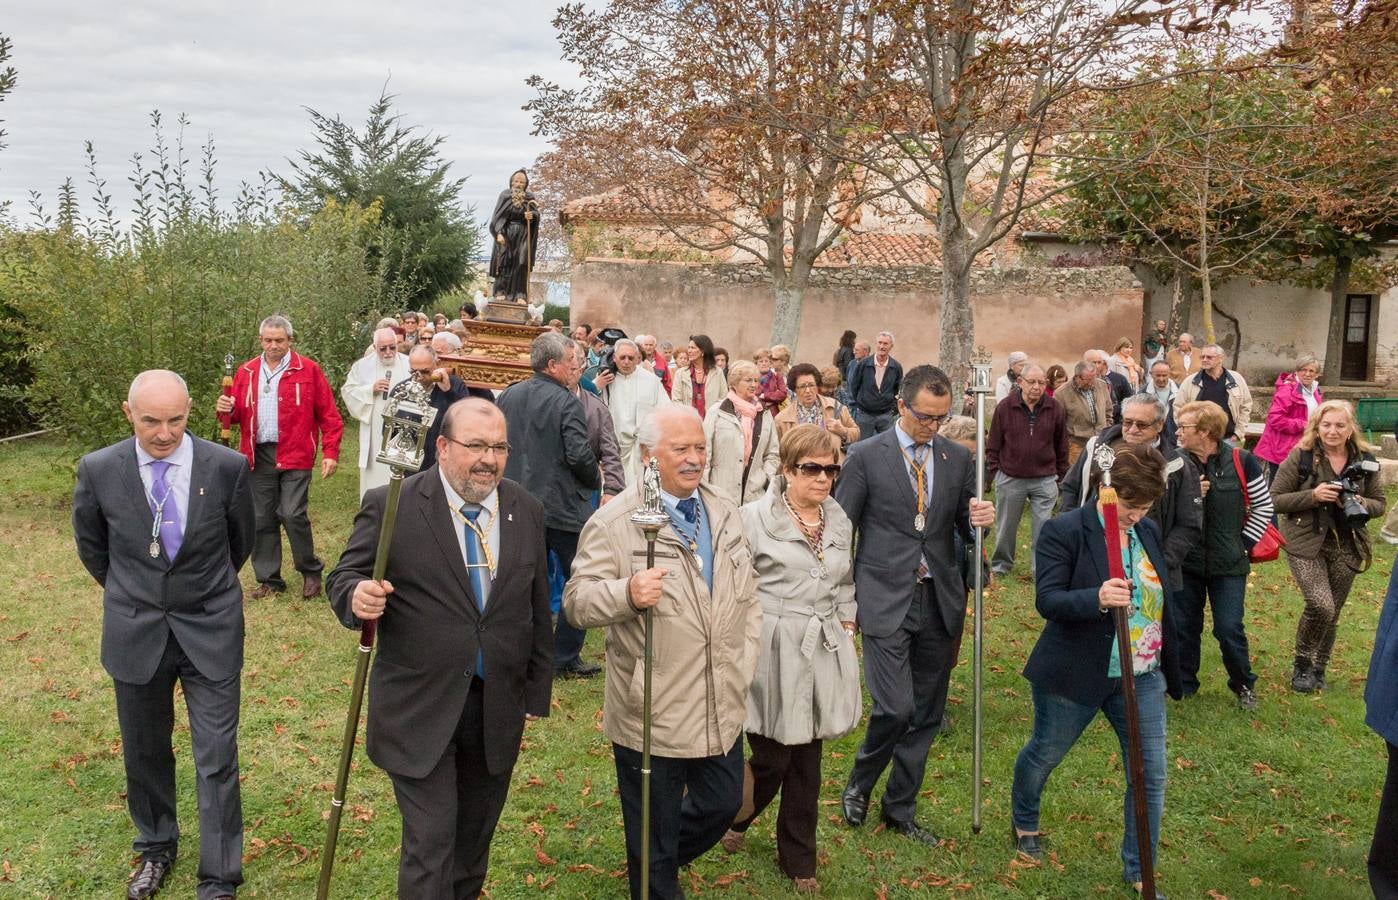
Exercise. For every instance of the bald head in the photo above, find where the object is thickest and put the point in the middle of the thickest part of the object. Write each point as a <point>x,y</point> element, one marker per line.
<point>469,409</point>
<point>157,406</point>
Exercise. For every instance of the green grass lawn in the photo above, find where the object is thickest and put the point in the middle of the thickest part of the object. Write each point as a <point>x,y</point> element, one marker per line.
<point>1276,804</point>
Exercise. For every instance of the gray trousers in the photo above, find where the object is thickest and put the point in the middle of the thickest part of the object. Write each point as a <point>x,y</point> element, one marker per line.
<point>280,498</point>
<point>146,714</point>
<point>907,674</point>
<point>1010,497</point>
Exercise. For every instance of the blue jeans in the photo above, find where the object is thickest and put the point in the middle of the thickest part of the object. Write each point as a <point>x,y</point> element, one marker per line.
<point>1059,721</point>
<point>1224,593</point>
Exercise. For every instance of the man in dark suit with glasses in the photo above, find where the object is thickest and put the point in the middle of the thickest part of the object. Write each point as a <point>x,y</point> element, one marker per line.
<point>908,491</point>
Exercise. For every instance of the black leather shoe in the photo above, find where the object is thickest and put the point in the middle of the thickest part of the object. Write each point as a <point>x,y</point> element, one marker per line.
<point>1027,844</point>
<point>910,829</point>
<point>855,806</point>
<point>578,669</point>
<point>148,878</point>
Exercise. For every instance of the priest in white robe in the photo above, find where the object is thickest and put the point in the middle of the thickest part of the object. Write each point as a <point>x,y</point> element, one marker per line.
<point>364,392</point>
<point>632,393</point>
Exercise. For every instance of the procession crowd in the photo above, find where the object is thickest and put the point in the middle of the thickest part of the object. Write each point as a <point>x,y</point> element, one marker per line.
<point>806,504</point>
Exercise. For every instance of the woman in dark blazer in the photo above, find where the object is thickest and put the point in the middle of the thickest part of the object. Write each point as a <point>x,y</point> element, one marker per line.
<point>1074,672</point>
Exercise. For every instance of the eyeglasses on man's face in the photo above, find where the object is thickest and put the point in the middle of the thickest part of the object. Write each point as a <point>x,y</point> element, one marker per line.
<point>479,448</point>
<point>1137,425</point>
<point>931,419</point>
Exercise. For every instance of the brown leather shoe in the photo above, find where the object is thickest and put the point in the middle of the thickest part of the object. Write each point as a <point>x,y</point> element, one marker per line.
<point>147,878</point>
<point>263,591</point>
<point>311,588</point>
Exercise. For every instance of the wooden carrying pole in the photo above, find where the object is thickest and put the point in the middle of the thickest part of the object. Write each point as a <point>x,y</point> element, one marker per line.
<point>1107,495</point>
<point>367,630</point>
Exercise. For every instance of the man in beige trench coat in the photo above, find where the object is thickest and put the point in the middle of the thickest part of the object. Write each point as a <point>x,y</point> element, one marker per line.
<point>707,622</point>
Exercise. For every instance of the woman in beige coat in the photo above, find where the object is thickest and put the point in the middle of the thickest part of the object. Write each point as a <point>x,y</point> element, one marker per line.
<point>700,384</point>
<point>741,439</point>
<point>806,688</point>
<point>809,407</point>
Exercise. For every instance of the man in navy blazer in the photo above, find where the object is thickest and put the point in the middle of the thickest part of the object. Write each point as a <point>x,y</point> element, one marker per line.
<point>465,646</point>
<point>908,491</point>
<point>164,522</point>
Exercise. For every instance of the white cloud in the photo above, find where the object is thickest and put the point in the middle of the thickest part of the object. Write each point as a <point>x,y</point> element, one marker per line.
<point>243,73</point>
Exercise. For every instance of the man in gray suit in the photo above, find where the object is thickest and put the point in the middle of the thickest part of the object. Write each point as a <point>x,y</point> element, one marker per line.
<point>164,522</point>
<point>552,458</point>
<point>908,491</point>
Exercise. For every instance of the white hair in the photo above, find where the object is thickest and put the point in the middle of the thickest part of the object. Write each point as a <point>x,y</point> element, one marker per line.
<point>452,342</point>
<point>1101,354</point>
<point>649,433</point>
<point>277,321</point>
<point>884,334</point>
<point>628,342</point>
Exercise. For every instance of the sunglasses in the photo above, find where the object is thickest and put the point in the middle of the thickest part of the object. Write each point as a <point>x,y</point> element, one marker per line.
<point>813,469</point>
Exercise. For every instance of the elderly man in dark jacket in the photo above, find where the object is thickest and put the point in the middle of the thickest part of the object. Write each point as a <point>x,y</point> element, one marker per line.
<point>552,458</point>
<point>1180,510</point>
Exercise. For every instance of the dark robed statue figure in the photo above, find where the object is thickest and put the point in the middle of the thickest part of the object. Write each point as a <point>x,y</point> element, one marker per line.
<point>515,228</point>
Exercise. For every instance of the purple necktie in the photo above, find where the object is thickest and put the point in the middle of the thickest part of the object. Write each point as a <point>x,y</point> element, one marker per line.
<point>171,528</point>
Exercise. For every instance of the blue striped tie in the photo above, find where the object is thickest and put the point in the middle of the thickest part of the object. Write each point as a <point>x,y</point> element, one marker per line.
<point>479,572</point>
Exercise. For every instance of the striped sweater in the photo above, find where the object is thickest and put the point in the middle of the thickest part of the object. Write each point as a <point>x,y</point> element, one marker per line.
<point>1231,525</point>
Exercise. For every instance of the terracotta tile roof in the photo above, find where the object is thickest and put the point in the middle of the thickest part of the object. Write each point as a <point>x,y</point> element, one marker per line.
<point>619,206</point>
<point>1039,214</point>
<point>883,249</point>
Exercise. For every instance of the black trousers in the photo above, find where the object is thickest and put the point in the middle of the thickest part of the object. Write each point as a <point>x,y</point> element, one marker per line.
<point>567,638</point>
<point>450,815</point>
<point>1383,853</point>
<point>692,803</point>
<point>907,674</point>
<point>146,715</point>
<point>793,769</point>
<point>280,499</point>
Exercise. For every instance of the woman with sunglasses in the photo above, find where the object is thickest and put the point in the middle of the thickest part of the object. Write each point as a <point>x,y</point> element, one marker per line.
<point>806,687</point>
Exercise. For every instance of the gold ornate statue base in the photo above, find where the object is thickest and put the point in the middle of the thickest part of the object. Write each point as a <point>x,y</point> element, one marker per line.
<point>496,353</point>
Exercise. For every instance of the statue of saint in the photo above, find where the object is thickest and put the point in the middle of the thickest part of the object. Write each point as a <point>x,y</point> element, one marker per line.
<point>514,227</point>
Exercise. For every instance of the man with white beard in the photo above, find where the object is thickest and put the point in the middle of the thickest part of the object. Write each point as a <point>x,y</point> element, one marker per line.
<point>365,389</point>
<point>632,394</point>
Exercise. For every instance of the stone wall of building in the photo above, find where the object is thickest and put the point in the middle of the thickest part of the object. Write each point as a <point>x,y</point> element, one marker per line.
<point>1051,313</point>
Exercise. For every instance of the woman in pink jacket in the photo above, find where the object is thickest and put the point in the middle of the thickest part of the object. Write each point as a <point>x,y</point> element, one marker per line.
<point>1296,397</point>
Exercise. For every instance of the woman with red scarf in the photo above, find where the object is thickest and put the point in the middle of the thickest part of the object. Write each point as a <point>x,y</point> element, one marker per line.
<point>702,383</point>
<point>741,438</point>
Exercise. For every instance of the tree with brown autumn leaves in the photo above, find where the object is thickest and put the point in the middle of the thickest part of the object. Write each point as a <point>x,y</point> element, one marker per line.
<point>745,117</point>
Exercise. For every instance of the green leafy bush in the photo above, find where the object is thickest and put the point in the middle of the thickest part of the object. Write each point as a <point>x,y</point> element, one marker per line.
<point>181,286</point>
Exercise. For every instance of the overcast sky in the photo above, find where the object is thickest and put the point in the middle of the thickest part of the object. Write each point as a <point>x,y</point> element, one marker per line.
<point>243,73</point>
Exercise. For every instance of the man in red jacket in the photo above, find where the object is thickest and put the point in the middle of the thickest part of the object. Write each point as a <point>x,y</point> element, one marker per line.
<point>282,404</point>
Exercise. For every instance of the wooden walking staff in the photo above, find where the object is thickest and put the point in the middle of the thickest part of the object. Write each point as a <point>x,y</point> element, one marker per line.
<point>1104,456</point>
<point>225,420</point>
<point>980,386</point>
<point>407,417</point>
<point>651,517</point>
